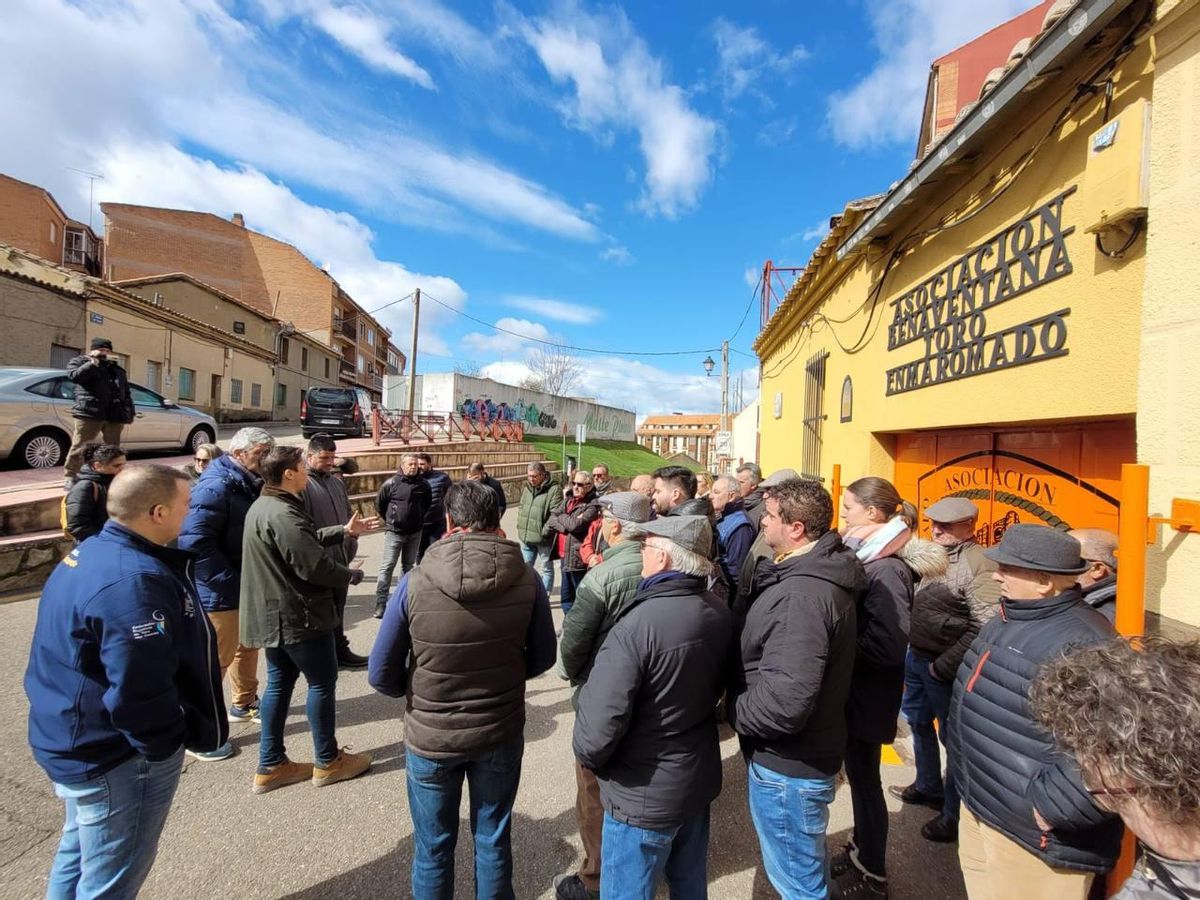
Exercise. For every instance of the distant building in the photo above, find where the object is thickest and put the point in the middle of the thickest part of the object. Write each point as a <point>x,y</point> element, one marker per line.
<point>30,218</point>
<point>269,275</point>
<point>695,436</point>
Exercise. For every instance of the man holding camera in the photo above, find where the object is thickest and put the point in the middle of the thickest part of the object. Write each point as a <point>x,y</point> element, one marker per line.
<point>103,403</point>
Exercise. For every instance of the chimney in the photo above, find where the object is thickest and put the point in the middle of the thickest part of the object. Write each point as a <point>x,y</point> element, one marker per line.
<point>237,220</point>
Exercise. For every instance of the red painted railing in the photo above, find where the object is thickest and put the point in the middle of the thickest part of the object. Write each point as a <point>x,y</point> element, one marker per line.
<point>423,427</point>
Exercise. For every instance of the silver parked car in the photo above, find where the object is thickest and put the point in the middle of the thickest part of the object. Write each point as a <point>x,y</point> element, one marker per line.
<point>36,423</point>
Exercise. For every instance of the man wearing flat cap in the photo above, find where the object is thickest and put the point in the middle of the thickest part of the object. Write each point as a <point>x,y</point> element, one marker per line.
<point>604,595</point>
<point>1029,827</point>
<point>948,611</point>
<point>103,403</point>
<point>646,723</point>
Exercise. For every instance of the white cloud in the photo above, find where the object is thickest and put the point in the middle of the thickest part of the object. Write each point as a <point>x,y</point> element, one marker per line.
<point>500,343</point>
<point>163,175</point>
<point>744,59</point>
<point>752,275</point>
<point>558,310</point>
<point>814,232</point>
<point>779,132</point>
<point>366,35</point>
<point>885,106</point>
<point>203,64</point>
<point>620,86</point>
<point>618,255</point>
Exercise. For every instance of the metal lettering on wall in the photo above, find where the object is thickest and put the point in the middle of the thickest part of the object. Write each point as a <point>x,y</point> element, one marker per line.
<point>946,312</point>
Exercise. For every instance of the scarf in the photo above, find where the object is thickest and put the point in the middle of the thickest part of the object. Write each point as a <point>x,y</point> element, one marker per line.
<point>877,540</point>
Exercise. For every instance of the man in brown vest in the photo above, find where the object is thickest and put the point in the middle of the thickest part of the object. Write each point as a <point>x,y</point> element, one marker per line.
<point>476,620</point>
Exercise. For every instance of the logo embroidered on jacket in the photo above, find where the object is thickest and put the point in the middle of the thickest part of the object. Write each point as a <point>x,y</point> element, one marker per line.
<point>158,626</point>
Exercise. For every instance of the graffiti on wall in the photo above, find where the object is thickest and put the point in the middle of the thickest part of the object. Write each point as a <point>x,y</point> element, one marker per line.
<point>484,409</point>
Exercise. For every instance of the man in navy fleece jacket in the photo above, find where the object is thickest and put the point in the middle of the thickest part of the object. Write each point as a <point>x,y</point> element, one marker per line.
<point>122,676</point>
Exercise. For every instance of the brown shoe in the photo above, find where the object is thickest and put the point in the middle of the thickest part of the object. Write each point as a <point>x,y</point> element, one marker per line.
<point>347,765</point>
<point>287,772</point>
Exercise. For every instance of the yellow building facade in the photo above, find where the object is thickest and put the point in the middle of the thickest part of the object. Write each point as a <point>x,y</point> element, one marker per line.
<point>993,325</point>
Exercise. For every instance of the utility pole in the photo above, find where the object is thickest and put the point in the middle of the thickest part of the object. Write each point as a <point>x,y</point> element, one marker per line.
<point>412,359</point>
<point>725,386</point>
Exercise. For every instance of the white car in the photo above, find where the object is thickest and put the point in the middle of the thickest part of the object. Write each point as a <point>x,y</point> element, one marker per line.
<point>36,423</point>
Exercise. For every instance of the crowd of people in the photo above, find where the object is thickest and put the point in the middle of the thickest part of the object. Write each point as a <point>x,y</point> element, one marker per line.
<point>688,604</point>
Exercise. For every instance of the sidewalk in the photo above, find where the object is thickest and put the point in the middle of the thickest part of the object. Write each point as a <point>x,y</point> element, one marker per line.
<point>354,841</point>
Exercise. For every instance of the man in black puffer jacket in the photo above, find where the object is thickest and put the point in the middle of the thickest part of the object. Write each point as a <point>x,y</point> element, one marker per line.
<point>403,502</point>
<point>103,403</point>
<point>1029,827</point>
<point>787,701</point>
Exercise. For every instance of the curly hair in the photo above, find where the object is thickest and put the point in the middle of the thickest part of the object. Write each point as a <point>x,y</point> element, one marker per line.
<point>1132,711</point>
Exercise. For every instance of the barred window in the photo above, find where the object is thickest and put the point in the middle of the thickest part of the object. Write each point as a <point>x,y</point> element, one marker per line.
<point>814,416</point>
<point>235,390</point>
<point>187,384</point>
<point>255,395</point>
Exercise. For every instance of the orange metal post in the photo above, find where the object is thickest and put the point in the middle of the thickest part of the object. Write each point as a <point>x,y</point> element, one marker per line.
<point>835,490</point>
<point>1133,537</point>
<point>1131,550</point>
<point>375,427</point>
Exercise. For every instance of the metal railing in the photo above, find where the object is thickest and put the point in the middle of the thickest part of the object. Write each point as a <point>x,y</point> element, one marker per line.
<point>428,426</point>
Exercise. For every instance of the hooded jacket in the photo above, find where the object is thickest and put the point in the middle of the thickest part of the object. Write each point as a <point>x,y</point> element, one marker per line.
<point>882,614</point>
<point>213,530</point>
<point>538,506</point>
<point>604,595</point>
<point>1005,763</point>
<point>950,608</point>
<point>86,504</point>
<point>753,504</point>
<point>288,579</point>
<point>788,696</point>
<point>101,390</point>
<point>122,661</point>
<point>403,502</point>
<point>646,721</point>
<point>476,620</point>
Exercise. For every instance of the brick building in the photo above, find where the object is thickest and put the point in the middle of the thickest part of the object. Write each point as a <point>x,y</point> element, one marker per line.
<point>302,361</point>
<point>269,275</point>
<point>43,311</point>
<point>30,218</point>
<point>695,436</point>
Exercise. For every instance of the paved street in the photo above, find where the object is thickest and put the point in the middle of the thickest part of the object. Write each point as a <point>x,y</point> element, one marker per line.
<point>354,840</point>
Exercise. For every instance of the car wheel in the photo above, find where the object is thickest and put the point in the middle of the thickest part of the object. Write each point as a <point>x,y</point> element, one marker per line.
<point>306,432</point>
<point>44,448</point>
<point>198,436</point>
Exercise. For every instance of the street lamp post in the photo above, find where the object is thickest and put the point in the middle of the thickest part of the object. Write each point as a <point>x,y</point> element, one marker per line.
<point>709,365</point>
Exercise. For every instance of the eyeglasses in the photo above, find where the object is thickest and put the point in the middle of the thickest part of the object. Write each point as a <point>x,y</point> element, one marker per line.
<point>202,459</point>
<point>581,483</point>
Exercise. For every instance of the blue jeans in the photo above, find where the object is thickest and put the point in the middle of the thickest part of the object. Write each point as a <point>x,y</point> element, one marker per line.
<point>570,584</point>
<point>927,698</point>
<point>434,794</point>
<point>634,860</point>
<point>317,659</point>
<point>110,836</point>
<point>538,556</point>
<point>400,548</point>
<point>791,816</point>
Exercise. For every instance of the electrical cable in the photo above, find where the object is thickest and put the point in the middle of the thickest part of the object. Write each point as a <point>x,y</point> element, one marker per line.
<point>749,306</point>
<point>1120,251</point>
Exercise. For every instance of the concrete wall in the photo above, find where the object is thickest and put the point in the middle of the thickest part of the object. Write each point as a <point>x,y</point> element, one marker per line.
<point>1168,421</point>
<point>745,435</point>
<point>35,318</point>
<point>540,413</point>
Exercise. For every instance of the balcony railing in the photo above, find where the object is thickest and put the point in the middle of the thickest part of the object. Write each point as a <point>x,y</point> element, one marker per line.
<point>345,329</point>
<point>346,370</point>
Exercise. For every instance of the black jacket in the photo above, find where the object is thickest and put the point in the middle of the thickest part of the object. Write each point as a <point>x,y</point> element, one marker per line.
<point>752,503</point>
<point>498,490</point>
<point>87,503</point>
<point>883,616</point>
<point>403,502</point>
<point>101,390</point>
<point>950,608</point>
<point>1005,764</point>
<point>788,695</point>
<point>573,523</point>
<point>435,516</point>
<point>646,721</point>
<point>1102,597</point>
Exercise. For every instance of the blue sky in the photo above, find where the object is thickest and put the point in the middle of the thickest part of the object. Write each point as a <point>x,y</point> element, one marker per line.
<point>602,175</point>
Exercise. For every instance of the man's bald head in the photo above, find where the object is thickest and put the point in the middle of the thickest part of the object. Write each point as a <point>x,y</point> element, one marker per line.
<point>151,500</point>
<point>1098,548</point>
<point>643,484</point>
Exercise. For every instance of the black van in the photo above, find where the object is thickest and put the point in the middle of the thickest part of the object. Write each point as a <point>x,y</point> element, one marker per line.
<point>337,410</point>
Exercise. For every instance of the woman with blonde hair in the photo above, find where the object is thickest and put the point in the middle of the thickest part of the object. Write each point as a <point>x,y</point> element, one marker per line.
<point>879,528</point>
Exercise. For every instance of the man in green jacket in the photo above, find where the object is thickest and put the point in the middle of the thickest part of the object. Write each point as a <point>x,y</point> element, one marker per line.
<point>602,597</point>
<point>288,606</point>
<point>540,502</point>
